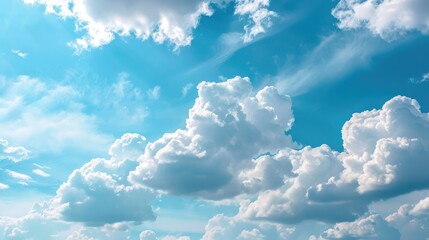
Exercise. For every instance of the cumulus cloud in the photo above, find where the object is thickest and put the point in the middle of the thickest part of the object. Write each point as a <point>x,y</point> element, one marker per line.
<point>412,220</point>
<point>34,225</point>
<point>98,193</point>
<point>289,203</point>
<point>171,21</point>
<point>234,143</point>
<point>370,227</point>
<point>387,19</point>
<point>386,151</point>
<point>162,21</point>
<point>3,186</point>
<point>260,18</point>
<point>385,155</point>
<point>223,227</point>
<point>14,154</point>
<point>186,89</point>
<point>227,127</point>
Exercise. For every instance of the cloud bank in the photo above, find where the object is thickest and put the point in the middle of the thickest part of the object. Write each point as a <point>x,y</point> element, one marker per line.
<point>234,146</point>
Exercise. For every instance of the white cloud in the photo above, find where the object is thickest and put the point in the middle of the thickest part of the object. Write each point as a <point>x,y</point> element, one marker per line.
<point>412,220</point>
<point>41,173</point>
<point>15,154</point>
<point>186,89</point>
<point>47,118</point>
<point>34,225</point>
<point>386,155</point>
<point>171,21</point>
<point>260,18</point>
<point>154,93</point>
<point>421,208</point>
<point>3,186</point>
<point>288,202</point>
<point>385,151</point>
<point>227,127</point>
<point>370,227</point>
<point>148,235</point>
<point>19,53</point>
<point>129,147</point>
<point>162,21</point>
<point>18,176</point>
<point>386,18</point>
<point>234,143</point>
<point>83,197</point>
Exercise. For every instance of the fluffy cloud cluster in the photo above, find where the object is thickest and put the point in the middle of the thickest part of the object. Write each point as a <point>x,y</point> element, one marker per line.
<point>289,202</point>
<point>386,154</point>
<point>14,154</point>
<point>98,193</point>
<point>162,21</point>
<point>235,144</point>
<point>259,16</point>
<point>387,18</point>
<point>412,220</point>
<point>227,127</point>
<point>370,227</point>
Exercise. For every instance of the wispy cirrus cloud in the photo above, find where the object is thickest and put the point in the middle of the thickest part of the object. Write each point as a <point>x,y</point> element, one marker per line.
<point>40,172</point>
<point>422,79</point>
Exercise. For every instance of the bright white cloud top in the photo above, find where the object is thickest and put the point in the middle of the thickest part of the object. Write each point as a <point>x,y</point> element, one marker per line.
<point>162,21</point>
<point>386,18</point>
<point>226,128</point>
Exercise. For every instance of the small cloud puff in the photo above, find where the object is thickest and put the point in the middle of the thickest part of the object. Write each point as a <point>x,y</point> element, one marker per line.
<point>370,227</point>
<point>83,197</point>
<point>19,53</point>
<point>14,154</point>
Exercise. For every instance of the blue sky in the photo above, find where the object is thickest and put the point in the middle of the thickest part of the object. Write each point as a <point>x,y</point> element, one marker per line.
<point>222,119</point>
